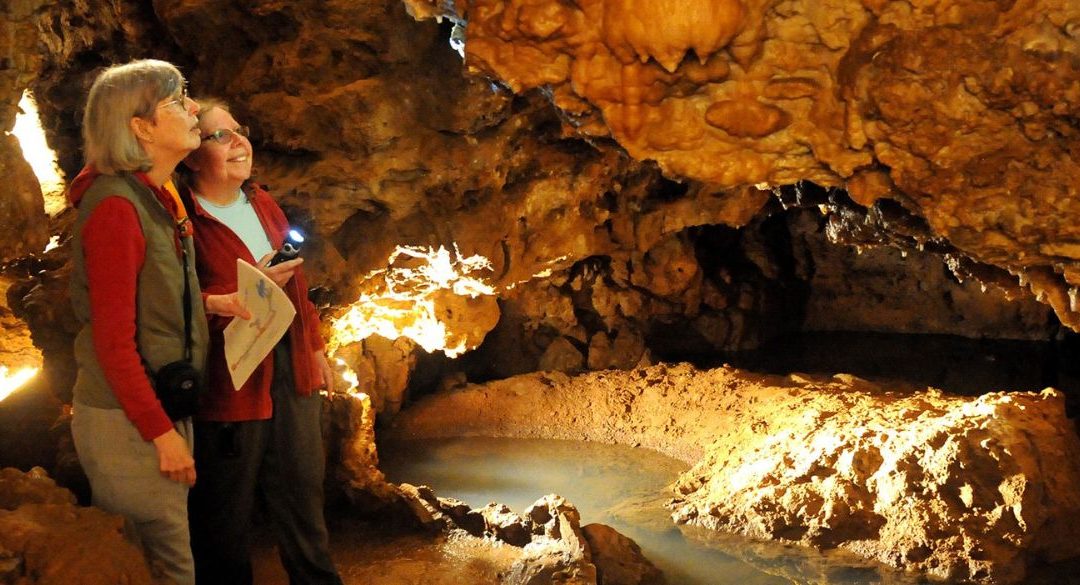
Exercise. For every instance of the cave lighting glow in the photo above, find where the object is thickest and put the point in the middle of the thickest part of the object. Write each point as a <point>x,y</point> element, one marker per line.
<point>349,376</point>
<point>9,382</point>
<point>403,303</point>
<point>36,151</point>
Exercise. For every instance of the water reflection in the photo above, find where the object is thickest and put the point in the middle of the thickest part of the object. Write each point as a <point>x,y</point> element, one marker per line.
<point>625,489</point>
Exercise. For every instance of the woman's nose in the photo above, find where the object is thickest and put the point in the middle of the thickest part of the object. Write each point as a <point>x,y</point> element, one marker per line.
<point>191,106</point>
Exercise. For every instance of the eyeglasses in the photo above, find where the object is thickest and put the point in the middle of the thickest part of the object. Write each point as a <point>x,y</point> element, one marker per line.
<point>180,101</point>
<point>226,136</point>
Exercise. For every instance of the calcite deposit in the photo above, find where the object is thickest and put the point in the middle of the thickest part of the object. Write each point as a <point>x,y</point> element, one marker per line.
<point>961,488</point>
<point>961,109</point>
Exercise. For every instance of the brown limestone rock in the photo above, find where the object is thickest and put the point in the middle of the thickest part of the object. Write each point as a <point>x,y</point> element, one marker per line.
<point>17,349</point>
<point>546,543</point>
<point>44,536</point>
<point>970,488</point>
<point>557,552</point>
<point>353,454</point>
<point>562,356</point>
<point>958,488</point>
<point>22,209</point>
<point>746,119</point>
<point>618,559</point>
<point>961,113</point>
<point>18,488</point>
<point>646,76</point>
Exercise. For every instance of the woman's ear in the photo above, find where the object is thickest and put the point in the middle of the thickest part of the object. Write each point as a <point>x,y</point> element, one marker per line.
<point>140,127</point>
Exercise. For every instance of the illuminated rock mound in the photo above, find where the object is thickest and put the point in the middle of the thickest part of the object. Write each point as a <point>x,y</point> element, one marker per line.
<point>961,489</point>
<point>953,487</point>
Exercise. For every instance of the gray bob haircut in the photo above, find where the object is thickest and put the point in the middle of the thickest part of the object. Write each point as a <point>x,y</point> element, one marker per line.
<point>119,94</point>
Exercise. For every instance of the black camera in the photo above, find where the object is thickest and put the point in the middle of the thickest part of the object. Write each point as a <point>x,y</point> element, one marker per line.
<point>289,249</point>
<point>178,385</point>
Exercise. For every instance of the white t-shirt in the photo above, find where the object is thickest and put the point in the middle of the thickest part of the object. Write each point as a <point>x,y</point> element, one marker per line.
<point>240,217</point>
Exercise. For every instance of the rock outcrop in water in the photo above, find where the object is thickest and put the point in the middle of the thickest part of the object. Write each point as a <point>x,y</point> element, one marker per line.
<point>952,487</point>
<point>549,543</point>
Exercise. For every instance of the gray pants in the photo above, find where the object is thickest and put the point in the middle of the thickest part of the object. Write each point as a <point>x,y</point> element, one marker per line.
<point>281,458</point>
<point>125,479</point>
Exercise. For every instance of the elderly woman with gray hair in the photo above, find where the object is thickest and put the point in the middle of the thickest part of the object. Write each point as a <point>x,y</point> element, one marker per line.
<point>131,290</point>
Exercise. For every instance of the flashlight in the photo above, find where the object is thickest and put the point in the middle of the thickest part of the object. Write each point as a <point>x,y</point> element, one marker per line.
<point>289,249</point>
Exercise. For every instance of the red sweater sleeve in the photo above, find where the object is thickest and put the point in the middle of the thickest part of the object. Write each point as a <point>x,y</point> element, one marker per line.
<point>114,250</point>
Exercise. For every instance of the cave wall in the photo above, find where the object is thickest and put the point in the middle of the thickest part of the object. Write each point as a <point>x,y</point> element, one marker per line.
<point>637,172</point>
<point>22,209</point>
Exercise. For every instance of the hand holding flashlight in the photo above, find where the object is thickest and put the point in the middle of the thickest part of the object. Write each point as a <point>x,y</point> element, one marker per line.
<point>289,250</point>
<point>281,266</point>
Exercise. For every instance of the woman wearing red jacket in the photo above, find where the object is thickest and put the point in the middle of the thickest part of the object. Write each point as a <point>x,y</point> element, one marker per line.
<point>264,436</point>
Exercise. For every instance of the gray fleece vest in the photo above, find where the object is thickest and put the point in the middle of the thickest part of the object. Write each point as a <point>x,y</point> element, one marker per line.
<point>159,312</point>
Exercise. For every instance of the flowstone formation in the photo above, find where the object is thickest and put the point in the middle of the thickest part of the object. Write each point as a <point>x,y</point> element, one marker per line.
<point>961,110</point>
<point>960,488</point>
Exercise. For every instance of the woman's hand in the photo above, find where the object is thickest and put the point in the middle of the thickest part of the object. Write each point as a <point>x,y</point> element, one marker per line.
<point>174,458</point>
<point>227,306</point>
<point>324,367</point>
<point>279,273</point>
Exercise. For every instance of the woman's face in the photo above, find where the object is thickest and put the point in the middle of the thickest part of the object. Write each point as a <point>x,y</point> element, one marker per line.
<point>174,126</point>
<point>225,154</point>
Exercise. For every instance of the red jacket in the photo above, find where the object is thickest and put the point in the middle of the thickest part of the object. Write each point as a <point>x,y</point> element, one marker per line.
<point>216,249</point>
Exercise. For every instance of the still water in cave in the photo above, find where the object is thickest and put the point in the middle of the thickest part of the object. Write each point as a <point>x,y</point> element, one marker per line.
<point>622,487</point>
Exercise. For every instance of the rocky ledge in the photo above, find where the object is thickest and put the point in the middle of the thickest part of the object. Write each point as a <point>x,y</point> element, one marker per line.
<point>959,488</point>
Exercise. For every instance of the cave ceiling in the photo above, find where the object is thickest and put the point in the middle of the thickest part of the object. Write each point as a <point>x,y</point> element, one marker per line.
<point>964,111</point>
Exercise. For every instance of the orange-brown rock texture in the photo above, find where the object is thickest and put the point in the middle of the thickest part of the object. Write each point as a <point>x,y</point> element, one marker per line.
<point>962,110</point>
<point>966,489</point>
<point>22,206</point>
<point>635,171</point>
<point>366,125</point>
<point>45,538</point>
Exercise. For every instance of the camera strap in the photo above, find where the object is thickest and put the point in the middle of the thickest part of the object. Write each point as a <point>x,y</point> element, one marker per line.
<point>187,291</point>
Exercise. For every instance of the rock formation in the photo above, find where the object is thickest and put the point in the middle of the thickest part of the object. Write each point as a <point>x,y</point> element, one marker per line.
<point>45,538</point>
<point>972,489</point>
<point>549,543</point>
<point>537,154</point>
<point>961,110</point>
<point>22,206</point>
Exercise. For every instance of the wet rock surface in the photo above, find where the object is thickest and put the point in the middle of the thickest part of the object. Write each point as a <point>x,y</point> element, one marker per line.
<point>548,543</point>
<point>953,487</point>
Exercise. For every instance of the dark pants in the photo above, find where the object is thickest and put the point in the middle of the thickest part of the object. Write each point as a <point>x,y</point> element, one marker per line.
<point>282,459</point>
